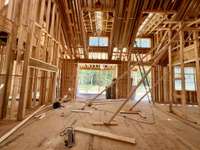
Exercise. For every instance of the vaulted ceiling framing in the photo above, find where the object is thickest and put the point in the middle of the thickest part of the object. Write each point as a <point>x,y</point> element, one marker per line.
<point>119,20</point>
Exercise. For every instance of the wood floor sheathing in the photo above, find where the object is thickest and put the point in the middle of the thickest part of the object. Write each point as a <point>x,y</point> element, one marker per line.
<point>167,133</point>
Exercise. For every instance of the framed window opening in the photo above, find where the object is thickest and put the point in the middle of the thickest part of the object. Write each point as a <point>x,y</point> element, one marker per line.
<point>142,43</point>
<point>98,41</point>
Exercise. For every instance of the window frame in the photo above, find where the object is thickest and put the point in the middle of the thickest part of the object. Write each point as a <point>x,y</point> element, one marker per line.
<point>98,42</point>
<point>139,45</point>
<point>177,81</point>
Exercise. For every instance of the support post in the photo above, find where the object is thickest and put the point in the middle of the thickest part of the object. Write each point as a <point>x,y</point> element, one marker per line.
<point>170,72</point>
<point>196,49</point>
<point>183,96</point>
<point>25,75</point>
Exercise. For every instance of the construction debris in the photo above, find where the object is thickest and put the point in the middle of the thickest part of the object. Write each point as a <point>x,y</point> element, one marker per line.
<point>106,135</point>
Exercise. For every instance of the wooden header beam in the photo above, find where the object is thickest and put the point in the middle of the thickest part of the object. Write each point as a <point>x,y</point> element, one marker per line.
<point>101,61</point>
<point>98,49</point>
<point>35,63</point>
<point>140,50</point>
<point>98,61</point>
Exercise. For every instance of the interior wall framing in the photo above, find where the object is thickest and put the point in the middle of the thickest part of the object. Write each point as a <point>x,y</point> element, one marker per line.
<point>29,57</point>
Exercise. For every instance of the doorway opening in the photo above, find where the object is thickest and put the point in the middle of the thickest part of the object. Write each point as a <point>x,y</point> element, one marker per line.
<point>93,78</point>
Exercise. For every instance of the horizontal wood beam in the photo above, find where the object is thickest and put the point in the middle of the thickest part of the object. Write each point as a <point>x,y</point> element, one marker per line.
<point>101,61</point>
<point>144,63</point>
<point>38,64</point>
<point>98,61</point>
<point>98,49</point>
<point>158,11</point>
<point>188,63</point>
<point>145,36</point>
<point>104,34</point>
<point>97,9</point>
<point>140,50</point>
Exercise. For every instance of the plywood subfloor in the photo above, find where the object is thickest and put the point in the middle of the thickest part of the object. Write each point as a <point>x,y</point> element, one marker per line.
<point>167,133</point>
<point>6,125</point>
<point>192,111</point>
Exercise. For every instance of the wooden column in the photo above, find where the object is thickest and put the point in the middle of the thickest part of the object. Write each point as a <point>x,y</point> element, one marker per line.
<point>51,46</point>
<point>43,90</point>
<point>53,20</point>
<point>160,83</point>
<point>122,84</point>
<point>10,9</point>
<point>68,78</point>
<point>57,26</point>
<point>165,85</point>
<point>53,55</point>
<point>30,89</point>
<point>170,71</point>
<point>31,85</point>
<point>11,42</point>
<point>157,85</point>
<point>42,9</point>
<point>25,75</point>
<point>55,75</point>
<point>38,47</point>
<point>181,53</point>
<point>197,49</point>
<point>14,85</point>
<point>48,14</point>
<point>35,87</point>
<point>50,86</point>
<point>43,73</point>
<point>9,68</point>
<point>153,84</point>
